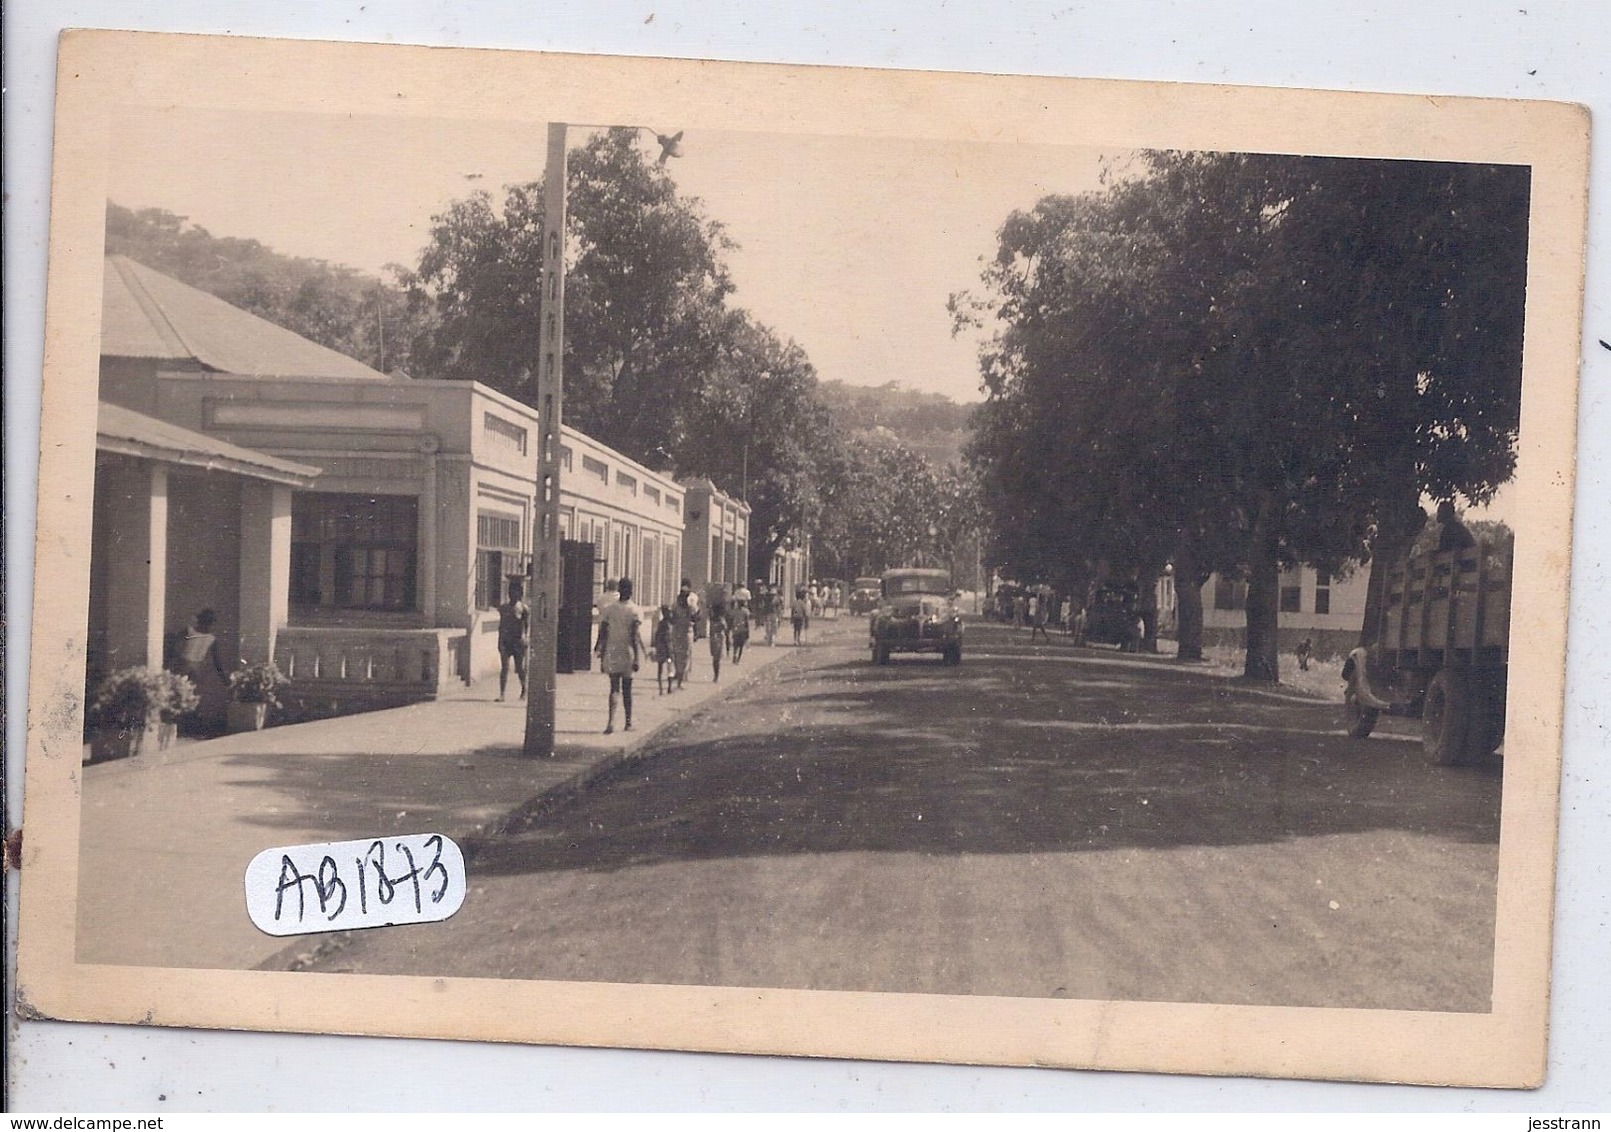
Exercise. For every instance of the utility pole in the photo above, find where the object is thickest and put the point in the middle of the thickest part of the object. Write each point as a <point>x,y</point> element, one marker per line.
<point>541,661</point>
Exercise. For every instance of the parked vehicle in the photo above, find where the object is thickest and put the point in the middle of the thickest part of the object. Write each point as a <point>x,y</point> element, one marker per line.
<point>1441,651</point>
<point>1113,617</point>
<point>917,612</point>
<point>864,595</point>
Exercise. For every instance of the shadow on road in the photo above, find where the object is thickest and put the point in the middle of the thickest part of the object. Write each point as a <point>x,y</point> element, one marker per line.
<point>1009,757</point>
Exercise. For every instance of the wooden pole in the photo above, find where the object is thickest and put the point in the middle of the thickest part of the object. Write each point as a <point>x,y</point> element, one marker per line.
<point>541,661</point>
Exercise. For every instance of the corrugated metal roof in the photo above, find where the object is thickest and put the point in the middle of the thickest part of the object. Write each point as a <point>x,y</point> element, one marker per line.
<point>146,314</point>
<point>134,434</point>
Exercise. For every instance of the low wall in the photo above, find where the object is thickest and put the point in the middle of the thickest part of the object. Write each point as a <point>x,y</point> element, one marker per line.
<point>340,671</point>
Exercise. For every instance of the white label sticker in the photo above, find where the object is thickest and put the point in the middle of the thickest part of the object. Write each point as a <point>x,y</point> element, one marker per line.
<point>339,885</point>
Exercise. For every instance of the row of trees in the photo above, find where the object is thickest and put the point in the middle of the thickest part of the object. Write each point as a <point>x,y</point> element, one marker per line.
<point>663,367</point>
<point>660,364</point>
<point>1235,362</point>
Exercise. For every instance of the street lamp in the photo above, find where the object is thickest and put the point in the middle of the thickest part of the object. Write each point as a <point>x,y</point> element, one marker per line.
<point>543,654</point>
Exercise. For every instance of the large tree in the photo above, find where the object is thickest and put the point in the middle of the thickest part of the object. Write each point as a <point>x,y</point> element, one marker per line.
<point>645,296</point>
<point>757,426</point>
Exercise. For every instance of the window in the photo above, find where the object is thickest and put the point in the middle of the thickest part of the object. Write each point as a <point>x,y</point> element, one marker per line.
<point>649,583</point>
<point>673,503</point>
<point>1322,591</point>
<point>652,494</point>
<point>1291,599</point>
<point>671,571</point>
<point>497,556</point>
<point>564,458</point>
<point>504,434</point>
<point>626,482</point>
<point>596,468</point>
<point>353,551</point>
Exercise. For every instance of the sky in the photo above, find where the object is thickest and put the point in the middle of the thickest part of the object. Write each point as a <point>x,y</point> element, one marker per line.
<point>849,246</point>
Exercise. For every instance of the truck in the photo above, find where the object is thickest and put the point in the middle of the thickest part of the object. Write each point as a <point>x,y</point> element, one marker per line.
<point>1439,650</point>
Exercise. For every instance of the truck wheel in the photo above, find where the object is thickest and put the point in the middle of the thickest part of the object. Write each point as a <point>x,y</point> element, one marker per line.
<point>1487,728</point>
<point>1361,719</point>
<point>1446,718</point>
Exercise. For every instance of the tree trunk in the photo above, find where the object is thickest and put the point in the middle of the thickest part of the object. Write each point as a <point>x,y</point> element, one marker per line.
<point>1263,605</point>
<point>1188,602</point>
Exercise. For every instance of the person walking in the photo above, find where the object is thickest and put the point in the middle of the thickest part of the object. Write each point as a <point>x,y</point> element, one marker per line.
<point>620,650</point>
<point>684,608</point>
<point>771,613</point>
<point>660,650</point>
<point>1040,613</point>
<point>800,615</point>
<point>514,622</point>
<point>717,632</point>
<point>1305,647</point>
<point>741,628</point>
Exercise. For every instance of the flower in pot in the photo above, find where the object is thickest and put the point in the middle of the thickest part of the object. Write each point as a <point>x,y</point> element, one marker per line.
<point>253,689</point>
<point>131,708</point>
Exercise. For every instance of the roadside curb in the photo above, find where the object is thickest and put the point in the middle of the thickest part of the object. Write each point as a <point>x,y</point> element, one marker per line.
<point>577,783</point>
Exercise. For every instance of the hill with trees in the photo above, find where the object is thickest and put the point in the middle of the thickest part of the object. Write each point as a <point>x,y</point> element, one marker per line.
<point>930,424</point>
<point>360,315</point>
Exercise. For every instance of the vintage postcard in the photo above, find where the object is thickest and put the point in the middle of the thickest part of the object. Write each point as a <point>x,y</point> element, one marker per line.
<point>774,559</point>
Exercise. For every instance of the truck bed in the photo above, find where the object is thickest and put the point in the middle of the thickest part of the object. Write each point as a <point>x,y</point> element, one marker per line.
<point>1450,607</point>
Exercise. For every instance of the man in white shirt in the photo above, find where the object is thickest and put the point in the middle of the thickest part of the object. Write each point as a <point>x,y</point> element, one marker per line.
<point>620,650</point>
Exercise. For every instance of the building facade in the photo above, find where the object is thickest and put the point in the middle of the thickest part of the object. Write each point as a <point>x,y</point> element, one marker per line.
<point>359,529</point>
<point>631,515</point>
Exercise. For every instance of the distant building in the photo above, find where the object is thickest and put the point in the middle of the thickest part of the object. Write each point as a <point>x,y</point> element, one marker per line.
<point>716,538</point>
<point>1324,607</point>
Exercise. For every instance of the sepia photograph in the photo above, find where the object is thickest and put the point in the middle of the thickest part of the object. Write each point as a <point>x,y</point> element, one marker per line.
<point>1086,591</point>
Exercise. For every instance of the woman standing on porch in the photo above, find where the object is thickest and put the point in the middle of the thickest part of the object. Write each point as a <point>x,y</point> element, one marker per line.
<point>196,656</point>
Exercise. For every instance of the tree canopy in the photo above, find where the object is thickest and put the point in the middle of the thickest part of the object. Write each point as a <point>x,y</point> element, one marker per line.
<point>1233,360</point>
<point>646,321</point>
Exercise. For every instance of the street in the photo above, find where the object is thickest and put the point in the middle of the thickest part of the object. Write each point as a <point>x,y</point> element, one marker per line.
<point>1044,820</point>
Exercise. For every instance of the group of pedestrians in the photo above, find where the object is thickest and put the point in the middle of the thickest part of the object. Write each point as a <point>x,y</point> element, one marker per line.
<point>672,632</point>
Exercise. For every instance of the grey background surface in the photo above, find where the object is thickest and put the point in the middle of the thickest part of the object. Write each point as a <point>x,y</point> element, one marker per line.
<point>1552,50</point>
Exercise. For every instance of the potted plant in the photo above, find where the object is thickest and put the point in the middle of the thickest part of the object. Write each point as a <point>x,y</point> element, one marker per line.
<point>253,689</point>
<point>135,711</point>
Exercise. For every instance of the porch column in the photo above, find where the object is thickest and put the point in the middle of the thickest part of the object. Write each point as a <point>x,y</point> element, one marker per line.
<point>429,445</point>
<point>265,567</point>
<point>137,568</point>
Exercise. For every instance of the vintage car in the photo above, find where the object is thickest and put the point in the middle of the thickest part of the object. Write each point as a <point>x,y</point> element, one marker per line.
<point>864,595</point>
<point>1113,617</point>
<point>917,612</point>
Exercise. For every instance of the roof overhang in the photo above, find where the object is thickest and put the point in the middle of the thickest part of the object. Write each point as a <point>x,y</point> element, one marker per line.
<point>128,433</point>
